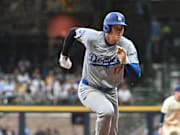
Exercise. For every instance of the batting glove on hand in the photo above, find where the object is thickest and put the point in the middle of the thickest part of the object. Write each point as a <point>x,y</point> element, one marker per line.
<point>65,62</point>
<point>122,55</point>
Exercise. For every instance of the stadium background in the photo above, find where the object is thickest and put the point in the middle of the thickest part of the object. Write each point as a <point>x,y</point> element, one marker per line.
<point>31,36</point>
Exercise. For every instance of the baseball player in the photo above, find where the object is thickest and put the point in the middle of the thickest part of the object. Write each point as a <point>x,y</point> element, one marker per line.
<point>170,114</point>
<point>108,55</point>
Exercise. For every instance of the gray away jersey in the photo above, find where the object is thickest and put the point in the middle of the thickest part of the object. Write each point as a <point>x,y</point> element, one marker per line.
<point>101,66</point>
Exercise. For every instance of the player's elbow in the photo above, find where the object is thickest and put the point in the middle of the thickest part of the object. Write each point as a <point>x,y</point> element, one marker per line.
<point>133,71</point>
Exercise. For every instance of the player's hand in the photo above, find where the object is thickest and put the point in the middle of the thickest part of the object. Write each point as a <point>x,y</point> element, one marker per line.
<point>122,55</point>
<point>65,62</point>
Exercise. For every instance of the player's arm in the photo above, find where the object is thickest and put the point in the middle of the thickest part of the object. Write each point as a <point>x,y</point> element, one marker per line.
<point>164,111</point>
<point>83,35</point>
<point>161,123</point>
<point>132,67</point>
<point>68,42</point>
<point>64,59</point>
<point>132,70</point>
<point>130,61</point>
<point>161,119</point>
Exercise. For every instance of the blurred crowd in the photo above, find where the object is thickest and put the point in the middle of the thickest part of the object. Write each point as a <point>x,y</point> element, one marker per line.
<point>46,131</point>
<point>37,87</point>
<point>6,131</point>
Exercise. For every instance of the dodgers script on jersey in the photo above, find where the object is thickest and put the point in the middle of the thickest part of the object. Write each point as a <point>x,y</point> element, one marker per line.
<point>101,64</point>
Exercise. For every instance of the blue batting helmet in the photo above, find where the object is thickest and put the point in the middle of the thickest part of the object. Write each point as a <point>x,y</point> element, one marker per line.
<point>113,18</point>
<point>177,88</point>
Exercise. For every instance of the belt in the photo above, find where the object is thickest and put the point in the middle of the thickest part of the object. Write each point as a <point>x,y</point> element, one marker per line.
<point>103,89</point>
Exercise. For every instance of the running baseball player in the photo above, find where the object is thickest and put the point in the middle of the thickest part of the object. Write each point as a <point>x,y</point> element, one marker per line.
<point>108,55</point>
<point>170,114</point>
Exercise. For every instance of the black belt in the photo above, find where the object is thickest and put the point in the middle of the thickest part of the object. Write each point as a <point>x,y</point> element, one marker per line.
<point>103,89</point>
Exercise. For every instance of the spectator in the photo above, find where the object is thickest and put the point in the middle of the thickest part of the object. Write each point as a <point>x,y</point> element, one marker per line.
<point>56,91</point>
<point>56,132</point>
<point>155,30</point>
<point>28,100</point>
<point>24,64</point>
<point>49,81</point>
<point>1,131</point>
<point>9,89</point>
<point>166,41</point>
<point>48,131</point>
<point>72,92</point>
<point>37,88</point>
<point>40,132</point>
<point>64,92</point>
<point>27,131</point>
<point>22,77</point>
<point>155,38</point>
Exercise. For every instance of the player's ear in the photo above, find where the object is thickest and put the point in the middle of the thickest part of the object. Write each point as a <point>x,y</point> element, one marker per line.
<point>110,28</point>
<point>107,28</point>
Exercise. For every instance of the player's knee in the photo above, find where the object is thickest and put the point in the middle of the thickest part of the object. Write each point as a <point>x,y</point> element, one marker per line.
<point>108,112</point>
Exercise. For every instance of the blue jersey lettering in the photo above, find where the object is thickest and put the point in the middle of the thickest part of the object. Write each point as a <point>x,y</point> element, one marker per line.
<point>102,61</point>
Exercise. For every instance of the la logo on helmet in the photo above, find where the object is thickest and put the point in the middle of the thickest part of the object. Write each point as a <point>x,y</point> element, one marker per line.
<point>119,18</point>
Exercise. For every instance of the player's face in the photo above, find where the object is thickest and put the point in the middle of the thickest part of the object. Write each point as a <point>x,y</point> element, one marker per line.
<point>116,32</point>
<point>177,95</point>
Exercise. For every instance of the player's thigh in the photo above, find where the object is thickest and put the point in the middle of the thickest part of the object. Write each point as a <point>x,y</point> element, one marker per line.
<point>95,100</point>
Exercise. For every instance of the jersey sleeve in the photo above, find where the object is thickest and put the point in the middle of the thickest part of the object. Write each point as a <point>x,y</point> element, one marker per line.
<point>132,53</point>
<point>165,106</point>
<point>85,35</point>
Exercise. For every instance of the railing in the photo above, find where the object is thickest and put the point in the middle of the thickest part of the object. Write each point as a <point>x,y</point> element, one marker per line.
<point>73,108</point>
<point>22,110</point>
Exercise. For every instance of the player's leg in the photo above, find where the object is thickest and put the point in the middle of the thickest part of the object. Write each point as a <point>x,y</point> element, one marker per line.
<point>98,102</point>
<point>113,97</point>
